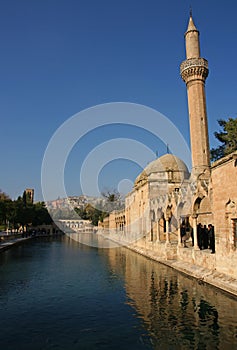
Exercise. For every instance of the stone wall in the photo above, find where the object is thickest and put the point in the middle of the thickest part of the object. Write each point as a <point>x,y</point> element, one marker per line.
<point>224,184</point>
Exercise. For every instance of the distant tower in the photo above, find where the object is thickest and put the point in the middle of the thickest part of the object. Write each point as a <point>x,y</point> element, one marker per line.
<point>30,194</point>
<point>194,71</point>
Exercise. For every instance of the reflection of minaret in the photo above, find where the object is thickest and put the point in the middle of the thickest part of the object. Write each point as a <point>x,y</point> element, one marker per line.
<point>194,71</point>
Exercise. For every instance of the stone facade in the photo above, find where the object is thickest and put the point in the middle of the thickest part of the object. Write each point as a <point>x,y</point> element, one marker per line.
<point>74,225</point>
<point>159,202</point>
<point>30,193</point>
<point>165,196</point>
<point>224,183</point>
<point>194,71</point>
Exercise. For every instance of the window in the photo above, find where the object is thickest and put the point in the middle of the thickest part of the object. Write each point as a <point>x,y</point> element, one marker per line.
<point>234,231</point>
<point>170,175</point>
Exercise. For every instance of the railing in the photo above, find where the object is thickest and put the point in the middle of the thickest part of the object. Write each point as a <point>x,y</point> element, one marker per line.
<point>193,62</point>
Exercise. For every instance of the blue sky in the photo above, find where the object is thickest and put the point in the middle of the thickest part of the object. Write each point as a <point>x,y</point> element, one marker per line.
<point>59,57</point>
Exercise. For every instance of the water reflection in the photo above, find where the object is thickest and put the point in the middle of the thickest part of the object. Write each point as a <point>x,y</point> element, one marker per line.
<point>178,312</point>
<point>61,294</point>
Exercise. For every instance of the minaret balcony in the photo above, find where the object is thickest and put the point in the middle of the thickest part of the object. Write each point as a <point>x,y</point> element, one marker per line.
<point>194,68</point>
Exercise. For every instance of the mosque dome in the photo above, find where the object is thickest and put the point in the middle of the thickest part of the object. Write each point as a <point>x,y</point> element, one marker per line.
<point>167,166</point>
<point>166,162</point>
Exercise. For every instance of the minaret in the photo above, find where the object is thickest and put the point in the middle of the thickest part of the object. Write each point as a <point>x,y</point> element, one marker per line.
<point>194,71</point>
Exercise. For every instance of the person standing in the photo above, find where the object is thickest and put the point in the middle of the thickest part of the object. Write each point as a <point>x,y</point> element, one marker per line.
<point>205,237</point>
<point>200,235</point>
<point>211,235</point>
<point>183,235</point>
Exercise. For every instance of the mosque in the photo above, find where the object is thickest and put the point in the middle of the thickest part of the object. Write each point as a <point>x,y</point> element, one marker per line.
<point>165,195</point>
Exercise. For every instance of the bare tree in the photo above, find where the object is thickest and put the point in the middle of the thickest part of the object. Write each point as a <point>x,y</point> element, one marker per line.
<point>111,195</point>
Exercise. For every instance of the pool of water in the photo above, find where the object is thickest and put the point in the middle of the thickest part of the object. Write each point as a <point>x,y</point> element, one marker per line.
<point>61,294</point>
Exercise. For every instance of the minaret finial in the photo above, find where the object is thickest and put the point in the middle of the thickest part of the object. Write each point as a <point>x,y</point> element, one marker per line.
<point>191,11</point>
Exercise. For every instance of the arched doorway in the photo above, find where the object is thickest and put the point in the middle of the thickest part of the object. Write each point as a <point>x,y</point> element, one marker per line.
<point>202,209</point>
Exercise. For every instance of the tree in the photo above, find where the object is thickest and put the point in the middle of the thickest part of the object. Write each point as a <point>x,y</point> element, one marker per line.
<point>227,136</point>
<point>112,201</point>
<point>41,215</point>
<point>89,212</point>
<point>3,196</point>
<point>5,209</point>
<point>22,212</point>
<point>111,195</point>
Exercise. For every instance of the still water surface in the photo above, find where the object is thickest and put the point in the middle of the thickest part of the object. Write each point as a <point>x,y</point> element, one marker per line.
<point>60,294</point>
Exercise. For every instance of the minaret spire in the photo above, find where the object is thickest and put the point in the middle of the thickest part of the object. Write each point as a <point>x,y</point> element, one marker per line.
<point>191,25</point>
<point>192,40</point>
<point>194,71</point>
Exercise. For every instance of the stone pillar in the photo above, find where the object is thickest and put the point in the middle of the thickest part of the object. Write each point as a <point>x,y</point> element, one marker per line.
<point>196,247</point>
<point>179,238</point>
<point>158,231</point>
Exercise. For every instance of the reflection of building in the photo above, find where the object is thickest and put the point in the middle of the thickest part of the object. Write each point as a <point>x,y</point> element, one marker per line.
<point>178,312</point>
<point>166,195</point>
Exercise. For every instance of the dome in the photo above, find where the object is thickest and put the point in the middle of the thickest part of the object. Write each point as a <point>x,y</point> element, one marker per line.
<point>167,163</point>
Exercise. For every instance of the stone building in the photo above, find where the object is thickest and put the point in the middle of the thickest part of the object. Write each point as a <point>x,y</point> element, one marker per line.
<point>224,208</point>
<point>165,195</point>
<point>74,225</point>
<point>30,194</point>
<point>152,205</point>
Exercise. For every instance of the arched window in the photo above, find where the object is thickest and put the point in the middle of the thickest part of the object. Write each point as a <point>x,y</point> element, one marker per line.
<point>234,231</point>
<point>170,175</point>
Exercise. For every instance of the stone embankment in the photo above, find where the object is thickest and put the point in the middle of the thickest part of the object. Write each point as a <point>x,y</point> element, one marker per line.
<point>182,259</point>
<point>6,244</point>
<point>202,274</point>
<point>9,240</point>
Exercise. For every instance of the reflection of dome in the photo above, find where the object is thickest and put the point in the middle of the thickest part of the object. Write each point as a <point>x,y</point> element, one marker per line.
<point>168,166</point>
